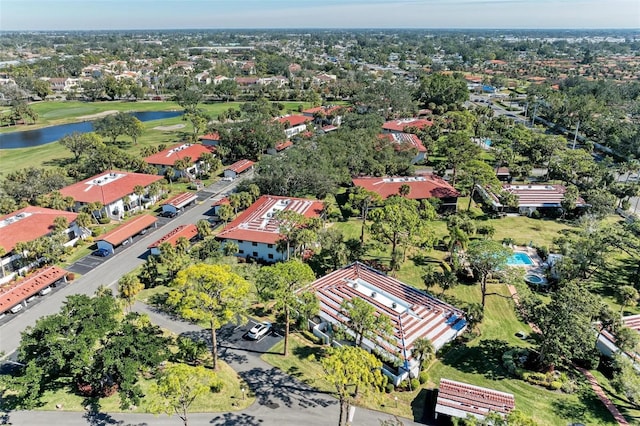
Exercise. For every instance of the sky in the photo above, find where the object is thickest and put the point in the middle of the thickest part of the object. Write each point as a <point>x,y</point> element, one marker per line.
<point>220,14</point>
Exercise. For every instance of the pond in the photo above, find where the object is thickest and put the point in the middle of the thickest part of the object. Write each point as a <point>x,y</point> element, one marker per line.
<point>45,135</point>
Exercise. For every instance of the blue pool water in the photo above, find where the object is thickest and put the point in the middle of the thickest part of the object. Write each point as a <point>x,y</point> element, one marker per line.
<point>519,259</point>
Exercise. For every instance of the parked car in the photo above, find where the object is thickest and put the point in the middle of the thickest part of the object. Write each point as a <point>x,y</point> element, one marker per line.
<point>259,330</point>
<point>101,252</point>
<point>227,179</point>
<point>169,214</point>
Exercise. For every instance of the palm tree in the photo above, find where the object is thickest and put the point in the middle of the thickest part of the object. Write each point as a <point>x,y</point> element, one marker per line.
<point>2,253</point>
<point>154,191</point>
<point>204,229</point>
<point>169,173</point>
<point>139,191</point>
<point>404,190</point>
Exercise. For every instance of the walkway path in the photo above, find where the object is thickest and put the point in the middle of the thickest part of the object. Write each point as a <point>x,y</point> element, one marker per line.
<point>597,389</point>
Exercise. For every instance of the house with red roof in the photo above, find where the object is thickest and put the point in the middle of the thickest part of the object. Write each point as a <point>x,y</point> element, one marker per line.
<point>189,232</point>
<point>421,187</point>
<point>325,115</point>
<point>256,231</point>
<point>404,124</point>
<point>530,198</point>
<point>210,139</point>
<point>240,166</point>
<point>186,151</point>
<point>110,189</point>
<point>458,399</point>
<point>413,314</point>
<point>294,124</point>
<point>280,147</point>
<point>406,141</point>
<point>29,224</point>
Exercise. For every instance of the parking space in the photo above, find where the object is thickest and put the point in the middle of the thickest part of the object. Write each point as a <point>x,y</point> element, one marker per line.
<point>86,264</point>
<point>235,337</point>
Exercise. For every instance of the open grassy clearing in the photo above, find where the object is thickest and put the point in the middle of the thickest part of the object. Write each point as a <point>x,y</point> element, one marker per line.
<point>228,399</point>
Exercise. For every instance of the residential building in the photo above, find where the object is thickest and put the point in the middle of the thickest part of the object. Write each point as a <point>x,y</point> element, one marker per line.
<point>607,341</point>
<point>210,139</point>
<point>29,224</point>
<point>256,231</point>
<point>189,232</point>
<point>191,152</point>
<point>280,147</point>
<point>110,189</point>
<point>294,124</point>
<point>325,115</point>
<point>13,297</point>
<point>402,125</point>
<point>412,313</point>
<point>457,399</point>
<point>421,187</point>
<point>406,141</point>
<point>530,198</point>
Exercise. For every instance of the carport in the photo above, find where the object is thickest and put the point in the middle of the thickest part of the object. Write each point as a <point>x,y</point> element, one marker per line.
<point>125,232</point>
<point>178,202</point>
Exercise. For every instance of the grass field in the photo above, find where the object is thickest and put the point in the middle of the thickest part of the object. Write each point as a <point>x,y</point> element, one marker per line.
<point>53,113</point>
<point>228,399</point>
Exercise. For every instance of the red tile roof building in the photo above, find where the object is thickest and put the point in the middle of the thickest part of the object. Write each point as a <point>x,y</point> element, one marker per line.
<point>421,187</point>
<point>28,224</point>
<point>459,399</point>
<point>256,230</point>
<point>399,126</point>
<point>210,138</point>
<point>531,197</point>
<point>294,124</point>
<point>414,314</point>
<point>169,156</point>
<point>21,290</point>
<point>404,141</point>
<point>187,231</point>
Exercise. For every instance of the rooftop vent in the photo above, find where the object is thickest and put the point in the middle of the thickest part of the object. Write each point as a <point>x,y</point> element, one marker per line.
<point>394,305</point>
<point>374,294</point>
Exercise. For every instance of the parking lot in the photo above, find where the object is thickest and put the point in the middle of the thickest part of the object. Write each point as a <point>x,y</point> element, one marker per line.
<point>234,337</point>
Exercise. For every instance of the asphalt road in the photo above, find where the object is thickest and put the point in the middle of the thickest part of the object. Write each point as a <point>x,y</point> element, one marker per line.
<point>105,271</point>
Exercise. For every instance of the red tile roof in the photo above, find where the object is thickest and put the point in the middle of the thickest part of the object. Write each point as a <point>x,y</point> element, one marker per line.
<point>28,224</point>
<point>187,231</point>
<point>326,110</point>
<point>283,145</point>
<point>220,202</point>
<point>536,195</point>
<point>215,136</point>
<point>181,199</point>
<point>421,186</point>
<point>402,125</point>
<point>20,290</point>
<point>240,166</point>
<point>293,120</point>
<point>116,236</point>
<point>169,156</point>
<point>404,140</point>
<point>256,224</point>
<point>108,187</point>
<point>457,399</point>
<point>413,313</point>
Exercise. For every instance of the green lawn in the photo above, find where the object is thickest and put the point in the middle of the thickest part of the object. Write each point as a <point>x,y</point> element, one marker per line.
<point>228,399</point>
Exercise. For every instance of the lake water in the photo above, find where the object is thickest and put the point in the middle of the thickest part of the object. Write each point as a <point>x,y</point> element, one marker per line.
<point>45,135</point>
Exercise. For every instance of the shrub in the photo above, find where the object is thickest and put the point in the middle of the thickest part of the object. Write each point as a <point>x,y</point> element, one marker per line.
<point>423,377</point>
<point>555,385</point>
<point>389,388</point>
<point>415,384</point>
<point>104,220</point>
<point>71,276</point>
<point>543,252</point>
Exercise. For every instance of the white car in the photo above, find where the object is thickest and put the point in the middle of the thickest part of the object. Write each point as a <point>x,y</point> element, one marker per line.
<point>259,330</point>
<point>227,179</point>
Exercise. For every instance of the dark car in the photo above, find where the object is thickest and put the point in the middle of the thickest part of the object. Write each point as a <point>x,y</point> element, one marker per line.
<point>169,214</point>
<point>101,252</point>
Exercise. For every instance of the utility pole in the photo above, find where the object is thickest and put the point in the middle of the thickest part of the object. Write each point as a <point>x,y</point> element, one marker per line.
<point>533,116</point>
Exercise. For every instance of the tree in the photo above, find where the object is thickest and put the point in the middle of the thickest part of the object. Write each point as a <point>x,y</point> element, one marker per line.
<point>443,89</point>
<point>179,386</point>
<point>129,286</point>
<point>474,173</point>
<point>458,149</point>
<point>211,293</point>
<point>225,213</point>
<point>362,320</point>
<point>626,379</point>
<point>80,143</point>
<point>565,324</point>
<point>362,199</point>
<point>626,295</point>
<point>396,223</point>
<point>348,368</point>
<point>423,351</point>
<point>42,88</point>
<point>283,283</point>
<point>204,228</point>
<point>139,191</point>
<point>485,258</point>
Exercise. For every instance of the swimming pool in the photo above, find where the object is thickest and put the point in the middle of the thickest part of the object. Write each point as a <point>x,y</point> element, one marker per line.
<point>519,258</point>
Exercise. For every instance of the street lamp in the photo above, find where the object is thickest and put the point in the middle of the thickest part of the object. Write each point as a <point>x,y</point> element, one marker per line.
<point>395,398</point>
<point>243,391</point>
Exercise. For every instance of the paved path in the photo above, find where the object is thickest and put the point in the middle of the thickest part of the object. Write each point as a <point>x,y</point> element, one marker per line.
<point>281,400</point>
<point>597,389</point>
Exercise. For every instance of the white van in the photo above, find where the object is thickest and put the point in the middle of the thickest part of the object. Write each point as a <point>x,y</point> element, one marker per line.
<point>16,309</point>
